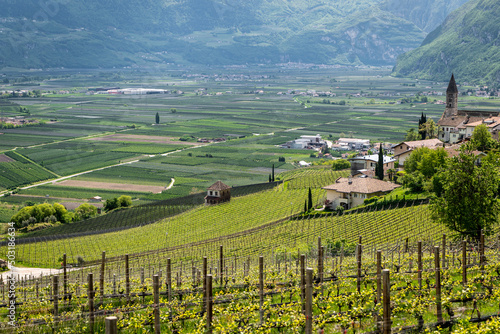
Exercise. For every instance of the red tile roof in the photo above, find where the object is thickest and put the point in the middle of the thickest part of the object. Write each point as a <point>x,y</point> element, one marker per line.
<point>219,186</point>
<point>361,185</point>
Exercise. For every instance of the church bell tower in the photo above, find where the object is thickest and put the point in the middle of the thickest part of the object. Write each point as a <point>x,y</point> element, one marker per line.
<point>451,98</point>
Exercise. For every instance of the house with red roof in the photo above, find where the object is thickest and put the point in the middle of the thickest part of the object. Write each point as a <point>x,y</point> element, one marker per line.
<point>218,193</point>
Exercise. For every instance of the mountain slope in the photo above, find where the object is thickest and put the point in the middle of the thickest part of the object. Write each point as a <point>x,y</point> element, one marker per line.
<point>111,33</point>
<point>467,44</point>
<point>425,14</point>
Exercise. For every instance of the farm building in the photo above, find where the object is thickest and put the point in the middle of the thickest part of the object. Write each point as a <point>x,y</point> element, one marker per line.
<point>403,150</point>
<point>353,144</point>
<point>369,162</point>
<point>306,142</point>
<point>351,192</point>
<point>218,193</point>
<point>95,199</point>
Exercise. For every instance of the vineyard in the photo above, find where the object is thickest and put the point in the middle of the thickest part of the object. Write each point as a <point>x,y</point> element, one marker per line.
<point>402,288</point>
<point>254,278</point>
<point>196,225</point>
<point>141,215</point>
<point>21,172</point>
<point>71,157</point>
<point>315,177</point>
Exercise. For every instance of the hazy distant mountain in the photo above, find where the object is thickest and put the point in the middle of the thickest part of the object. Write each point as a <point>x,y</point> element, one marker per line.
<point>96,33</point>
<point>425,14</point>
<point>467,43</point>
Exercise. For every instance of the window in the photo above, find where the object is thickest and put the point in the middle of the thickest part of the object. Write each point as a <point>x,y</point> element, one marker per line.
<point>211,192</point>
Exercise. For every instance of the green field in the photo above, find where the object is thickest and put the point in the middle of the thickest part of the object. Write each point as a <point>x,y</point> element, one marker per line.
<point>21,171</point>
<point>214,103</point>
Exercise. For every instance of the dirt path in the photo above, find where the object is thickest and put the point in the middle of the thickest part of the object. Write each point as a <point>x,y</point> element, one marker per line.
<point>29,271</point>
<point>171,184</point>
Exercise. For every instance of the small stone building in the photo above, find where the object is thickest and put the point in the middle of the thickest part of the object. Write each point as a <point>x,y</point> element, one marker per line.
<point>218,193</point>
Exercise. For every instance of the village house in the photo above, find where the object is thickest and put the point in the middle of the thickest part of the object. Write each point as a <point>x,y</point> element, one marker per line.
<point>306,142</point>
<point>456,125</point>
<point>351,192</point>
<point>366,164</point>
<point>97,199</point>
<point>354,144</point>
<point>218,193</point>
<point>403,150</point>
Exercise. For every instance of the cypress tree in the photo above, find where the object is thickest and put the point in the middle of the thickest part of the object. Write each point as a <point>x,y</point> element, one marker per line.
<point>310,200</point>
<point>273,173</point>
<point>422,121</point>
<point>305,206</point>
<point>157,118</point>
<point>270,178</point>
<point>379,168</point>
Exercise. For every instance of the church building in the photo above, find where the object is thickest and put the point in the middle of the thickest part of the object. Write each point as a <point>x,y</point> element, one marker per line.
<point>456,125</point>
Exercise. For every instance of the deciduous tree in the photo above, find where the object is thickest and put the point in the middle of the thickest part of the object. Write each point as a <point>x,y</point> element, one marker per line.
<point>85,211</point>
<point>469,201</point>
<point>429,128</point>
<point>412,135</point>
<point>481,138</point>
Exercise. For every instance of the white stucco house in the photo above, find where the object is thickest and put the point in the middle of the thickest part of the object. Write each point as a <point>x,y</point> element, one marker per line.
<point>351,192</point>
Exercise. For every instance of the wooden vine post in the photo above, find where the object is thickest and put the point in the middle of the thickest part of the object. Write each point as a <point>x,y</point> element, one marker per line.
<point>379,276</point>
<point>169,280</point>
<point>309,288</point>
<point>261,288</point>
<point>205,265</point>
<point>358,273</point>
<point>386,301</point>
<point>303,281</point>
<point>127,279</point>
<point>156,297</point>
<point>482,258</point>
<point>65,276</point>
<point>111,324</point>
<point>444,252</point>
<point>3,288</point>
<point>464,262</point>
<point>439,311</point>
<point>320,260</point>
<point>209,304</point>
<point>419,264</point>
<point>101,277</point>
<point>90,294</point>
<point>55,296</point>
<point>221,265</point>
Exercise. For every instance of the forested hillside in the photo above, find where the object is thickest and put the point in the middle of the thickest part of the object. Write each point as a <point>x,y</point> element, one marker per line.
<point>467,43</point>
<point>114,33</point>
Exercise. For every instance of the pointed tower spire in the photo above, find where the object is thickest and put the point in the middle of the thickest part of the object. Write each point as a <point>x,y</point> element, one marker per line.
<point>452,86</point>
<point>451,98</point>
